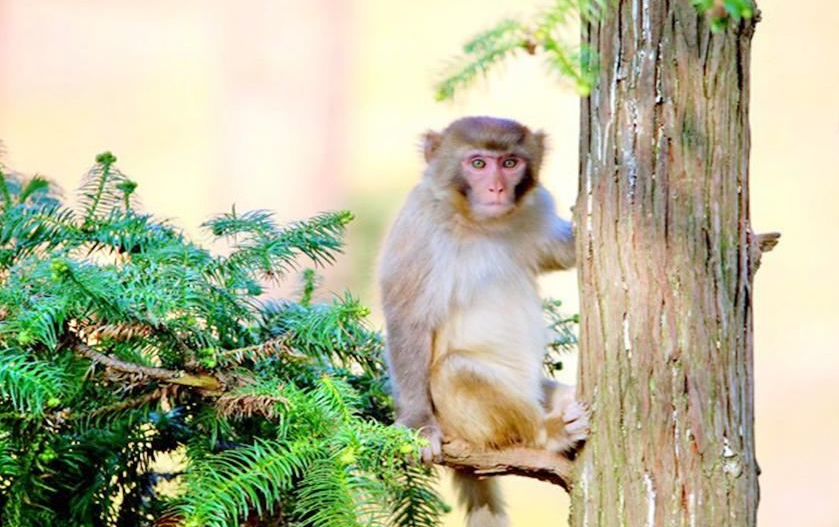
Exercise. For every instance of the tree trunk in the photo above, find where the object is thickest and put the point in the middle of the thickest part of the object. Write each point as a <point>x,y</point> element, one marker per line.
<point>666,273</point>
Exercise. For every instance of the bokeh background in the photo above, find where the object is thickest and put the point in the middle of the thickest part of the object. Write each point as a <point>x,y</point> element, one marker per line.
<point>300,107</point>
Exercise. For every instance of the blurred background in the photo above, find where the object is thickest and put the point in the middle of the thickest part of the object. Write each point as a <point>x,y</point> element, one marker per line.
<point>300,107</point>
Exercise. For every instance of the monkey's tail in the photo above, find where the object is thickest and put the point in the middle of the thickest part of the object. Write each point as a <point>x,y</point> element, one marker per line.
<point>482,500</point>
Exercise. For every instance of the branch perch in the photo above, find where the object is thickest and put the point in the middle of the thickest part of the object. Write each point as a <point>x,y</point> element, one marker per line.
<point>528,462</point>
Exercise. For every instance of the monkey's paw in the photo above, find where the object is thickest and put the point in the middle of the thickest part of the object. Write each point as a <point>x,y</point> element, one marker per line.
<point>567,427</point>
<point>458,447</point>
<point>433,452</point>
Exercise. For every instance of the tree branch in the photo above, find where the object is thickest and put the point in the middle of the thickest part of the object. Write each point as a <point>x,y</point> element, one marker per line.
<point>196,380</point>
<point>761,244</point>
<point>767,241</point>
<point>528,462</point>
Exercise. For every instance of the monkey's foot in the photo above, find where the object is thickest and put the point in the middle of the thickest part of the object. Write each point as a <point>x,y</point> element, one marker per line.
<point>567,427</point>
<point>458,447</point>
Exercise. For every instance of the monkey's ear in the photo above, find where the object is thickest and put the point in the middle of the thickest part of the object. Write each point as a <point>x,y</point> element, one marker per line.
<point>431,142</point>
<point>541,139</point>
<point>539,142</point>
<point>536,145</point>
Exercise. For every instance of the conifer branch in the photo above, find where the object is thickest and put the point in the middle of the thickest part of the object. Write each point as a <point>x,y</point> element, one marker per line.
<point>4,190</point>
<point>201,381</point>
<point>127,404</point>
<point>270,348</point>
<point>247,405</point>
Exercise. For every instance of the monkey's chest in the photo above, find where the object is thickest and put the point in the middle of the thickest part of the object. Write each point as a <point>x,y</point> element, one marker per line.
<point>500,322</point>
<point>491,305</point>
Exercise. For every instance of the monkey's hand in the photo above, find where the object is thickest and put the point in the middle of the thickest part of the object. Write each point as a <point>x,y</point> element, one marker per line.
<point>426,426</point>
<point>433,451</point>
<point>566,427</point>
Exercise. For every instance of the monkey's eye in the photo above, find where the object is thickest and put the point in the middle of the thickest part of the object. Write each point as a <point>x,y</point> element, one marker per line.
<point>510,162</point>
<point>479,163</point>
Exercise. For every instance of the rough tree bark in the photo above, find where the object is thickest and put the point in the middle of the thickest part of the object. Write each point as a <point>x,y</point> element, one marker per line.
<point>667,258</point>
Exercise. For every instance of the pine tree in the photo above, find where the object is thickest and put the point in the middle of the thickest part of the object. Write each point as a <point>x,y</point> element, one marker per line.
<point>124,343</point>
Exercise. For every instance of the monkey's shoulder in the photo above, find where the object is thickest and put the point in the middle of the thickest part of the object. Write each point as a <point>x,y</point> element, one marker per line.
<point>428,249</point>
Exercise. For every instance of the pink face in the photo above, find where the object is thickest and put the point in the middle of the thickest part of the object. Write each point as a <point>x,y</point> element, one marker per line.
<point>492,178</point>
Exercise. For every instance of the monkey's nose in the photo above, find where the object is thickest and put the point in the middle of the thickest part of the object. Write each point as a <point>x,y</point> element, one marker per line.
<point>497,187</point>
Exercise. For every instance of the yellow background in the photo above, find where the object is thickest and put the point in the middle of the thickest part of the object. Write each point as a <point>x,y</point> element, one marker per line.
<point>301,106</point>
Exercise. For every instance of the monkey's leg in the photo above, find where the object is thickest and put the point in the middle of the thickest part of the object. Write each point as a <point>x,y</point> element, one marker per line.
<point>567,420</point>
<point>483,404</point>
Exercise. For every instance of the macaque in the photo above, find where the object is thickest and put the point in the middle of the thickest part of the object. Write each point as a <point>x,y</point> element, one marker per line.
<point>465,330</point>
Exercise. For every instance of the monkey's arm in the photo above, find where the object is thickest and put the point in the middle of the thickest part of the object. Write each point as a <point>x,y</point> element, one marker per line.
<point>404,269</point>
<point>409,361</point>
<point>557,250</point>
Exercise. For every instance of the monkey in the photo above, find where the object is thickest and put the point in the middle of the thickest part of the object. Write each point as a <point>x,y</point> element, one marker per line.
<point>465,333</point>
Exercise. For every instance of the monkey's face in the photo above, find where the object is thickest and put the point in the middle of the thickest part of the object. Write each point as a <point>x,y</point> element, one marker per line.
<point>484,166</point>
<point>491,179</point>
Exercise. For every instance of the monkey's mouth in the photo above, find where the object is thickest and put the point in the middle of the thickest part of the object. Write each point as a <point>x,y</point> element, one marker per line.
<point>492,210</point>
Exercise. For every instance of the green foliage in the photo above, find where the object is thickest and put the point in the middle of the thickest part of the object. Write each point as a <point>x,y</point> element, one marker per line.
<point>547,34</point>
<point>125,347</point>
<point>563,335</point>
<point>29,386</point>
<point>724,13</point>
<point>552,33</point>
